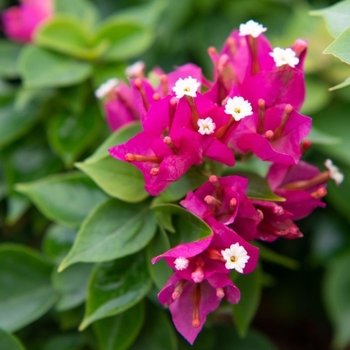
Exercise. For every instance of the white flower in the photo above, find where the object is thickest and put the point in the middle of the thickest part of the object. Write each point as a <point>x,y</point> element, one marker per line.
<point>238,107</point>
<point>236,257</point>
<point>206,126</point>
<point>187,86</point>
<point>334,172</point>
<point>135,70</point>
<point>106,88</point>
<point>251,28</point>
<point>181,263</point>
<point>284,56</point>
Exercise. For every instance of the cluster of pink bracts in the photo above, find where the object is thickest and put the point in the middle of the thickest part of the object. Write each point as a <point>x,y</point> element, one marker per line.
<point>252,106</point>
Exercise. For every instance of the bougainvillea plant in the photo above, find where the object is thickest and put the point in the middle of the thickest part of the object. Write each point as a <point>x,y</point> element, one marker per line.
<point>250,109</point>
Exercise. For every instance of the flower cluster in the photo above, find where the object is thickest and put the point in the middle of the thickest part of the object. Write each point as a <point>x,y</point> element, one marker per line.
<point>251,108</point>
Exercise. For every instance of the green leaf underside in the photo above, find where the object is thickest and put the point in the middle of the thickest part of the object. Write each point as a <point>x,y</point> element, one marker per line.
<point>25,289</point>
<point>41,68</point>
<point>344,84</point>
<point>337,17</point>
<point>120,331</point>
<point>64,198</point>
<point>188,227</point>
<point>113,230</point>
<point>9,342</point>
<point>340,46</point>
<point>243,312</point>
<point>118,179</point>
<point>115,287</point>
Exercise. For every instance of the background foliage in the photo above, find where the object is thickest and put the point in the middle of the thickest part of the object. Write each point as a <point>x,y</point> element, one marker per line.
<point>51,125</point>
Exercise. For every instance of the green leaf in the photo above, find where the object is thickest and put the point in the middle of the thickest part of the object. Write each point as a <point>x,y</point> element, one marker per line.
<point>71,284</point>
<point>125,38</point>
<point>258,187</point>
<point>67,35</point>
<point>119,332</point>
<point>191,180</point>
<point>337,298</point>
<point>106,71</point>
<point>317,136</point>
<point>14,122</point>
<point>122,135</point>
<point>41,68</point>
<point>25,290</point>
<point>250,287</point>
<point>64,198</point>
<point>17,205</point>
<point>70,135</point>
<point>114,229</point>
<point>115,287</point>
<point>160,272</point>
<point>9,341</point>
<point>345,83</point>
<point>57,242</point>
<point>188,227</point>
<point>156,335</point>
<point>337,17</point>
<point>340,46</point>
<point>82,10</point>
<point>119,179</point>
<point>9,53</point>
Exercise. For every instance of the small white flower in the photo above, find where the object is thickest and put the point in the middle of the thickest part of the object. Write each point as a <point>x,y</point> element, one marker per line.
<point>206,126</point>
<point>187,86</point>
<point>284,56</point>
<point>238,107</point>
<point>251,28</point>
<point>181,263</point>
<point>106,88</point>
<point>236,257</point>
<point>335,174</point>
<point>135,70</point>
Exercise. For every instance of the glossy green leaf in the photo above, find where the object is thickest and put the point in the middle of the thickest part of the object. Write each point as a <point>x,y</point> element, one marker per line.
<point>188,227</point>
<point>82,10</point>
<point>337,298</point>
<point>119,332</point>
<point>9,341</point>
<point>119,179</point>
<point>125,38</point>
<point>57,241</point>
<point>9,53</point>
<point>258,187</point>
<point>71,284</point>
<point>160,272</point>
<point>15,122</point>
<point>114,229</point>
<point>115,287</point>
<point>122,135</point>
<point>64,198</point>
<point>41,68</point>
<point>25,289</point>
<point>158,334</point>
<point>337,17</point>
<point>70,135</point>
<point>244,312</point>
